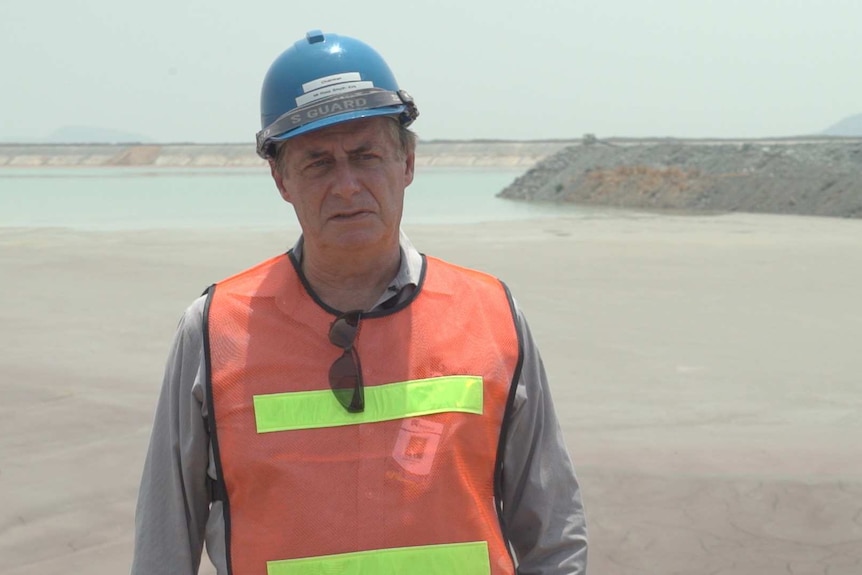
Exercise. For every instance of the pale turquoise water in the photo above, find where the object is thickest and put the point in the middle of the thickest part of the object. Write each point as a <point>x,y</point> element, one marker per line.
<point>137,198</point>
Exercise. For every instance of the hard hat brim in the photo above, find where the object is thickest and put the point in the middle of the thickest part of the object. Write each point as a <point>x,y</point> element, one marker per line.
<point>394,111</point>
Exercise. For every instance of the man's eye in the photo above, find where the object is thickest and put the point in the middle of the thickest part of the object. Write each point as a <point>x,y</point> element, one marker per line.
<point>317,164</point>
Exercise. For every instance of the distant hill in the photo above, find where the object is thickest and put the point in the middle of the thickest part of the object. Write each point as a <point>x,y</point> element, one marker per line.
<point>851,126</point>
<point>93,135</point>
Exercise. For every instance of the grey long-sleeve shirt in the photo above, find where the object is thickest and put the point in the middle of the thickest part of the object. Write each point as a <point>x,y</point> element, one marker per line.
<point>542,508</point>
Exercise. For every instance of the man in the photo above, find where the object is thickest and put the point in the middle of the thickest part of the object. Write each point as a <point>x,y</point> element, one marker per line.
<point>353,406</point>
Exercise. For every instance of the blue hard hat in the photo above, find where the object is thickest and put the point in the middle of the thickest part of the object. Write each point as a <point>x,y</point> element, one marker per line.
<point>326,79</point>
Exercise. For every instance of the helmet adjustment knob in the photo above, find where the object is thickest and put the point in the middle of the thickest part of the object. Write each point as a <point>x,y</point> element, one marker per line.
<point>314,36</point>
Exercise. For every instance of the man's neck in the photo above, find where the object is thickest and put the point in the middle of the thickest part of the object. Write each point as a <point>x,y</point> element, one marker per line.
<point>349,281</point>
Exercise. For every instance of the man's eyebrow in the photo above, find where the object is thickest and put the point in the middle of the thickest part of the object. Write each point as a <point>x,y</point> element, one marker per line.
<point>315,154</point>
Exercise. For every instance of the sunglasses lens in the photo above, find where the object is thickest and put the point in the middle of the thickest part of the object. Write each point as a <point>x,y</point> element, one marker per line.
<point>343,332</point>
<point>344,379</point>
<point>345,375</point>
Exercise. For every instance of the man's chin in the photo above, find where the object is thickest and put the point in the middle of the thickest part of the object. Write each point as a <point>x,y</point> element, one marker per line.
<point>360,238</point>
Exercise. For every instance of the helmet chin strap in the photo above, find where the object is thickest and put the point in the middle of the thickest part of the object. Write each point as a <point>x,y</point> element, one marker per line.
<point>357,100</point>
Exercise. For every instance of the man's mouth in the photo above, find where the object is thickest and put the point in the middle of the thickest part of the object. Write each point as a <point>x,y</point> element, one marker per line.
<point>350,215</point>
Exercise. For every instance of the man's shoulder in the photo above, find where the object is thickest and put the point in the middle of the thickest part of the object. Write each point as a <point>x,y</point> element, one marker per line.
<point>193,316</point>
<point>485,277</point>
<point>192,319</point>
<point>280,260</point>
<point>460,270</point>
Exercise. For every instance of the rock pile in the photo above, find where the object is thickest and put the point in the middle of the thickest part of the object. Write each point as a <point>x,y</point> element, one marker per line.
<point>821,178</point>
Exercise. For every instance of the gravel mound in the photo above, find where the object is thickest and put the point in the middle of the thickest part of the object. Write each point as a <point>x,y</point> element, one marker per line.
<point>780,177</point>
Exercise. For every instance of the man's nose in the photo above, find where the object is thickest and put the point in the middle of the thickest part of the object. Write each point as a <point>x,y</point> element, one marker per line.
<point>346,179</point>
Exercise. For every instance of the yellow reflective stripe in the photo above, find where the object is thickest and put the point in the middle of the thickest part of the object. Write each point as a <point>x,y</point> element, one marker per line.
<point>471,558</point>
<point>316,409</point>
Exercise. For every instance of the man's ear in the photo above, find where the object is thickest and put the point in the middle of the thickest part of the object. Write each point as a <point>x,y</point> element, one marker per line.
<point>410,164</point>
<point>278,178</point>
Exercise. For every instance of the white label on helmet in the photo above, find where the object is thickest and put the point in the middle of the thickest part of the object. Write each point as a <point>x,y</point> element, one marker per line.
<point>331,90</point>
<point>329,80</point>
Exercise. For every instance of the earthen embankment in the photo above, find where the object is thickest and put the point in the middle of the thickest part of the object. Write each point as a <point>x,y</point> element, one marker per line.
<point>467,154</point>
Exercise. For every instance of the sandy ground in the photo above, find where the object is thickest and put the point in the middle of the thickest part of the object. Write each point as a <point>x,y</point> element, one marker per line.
<point>706,371</point>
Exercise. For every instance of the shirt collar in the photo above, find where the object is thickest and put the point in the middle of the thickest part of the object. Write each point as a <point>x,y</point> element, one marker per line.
<point>404,282</point>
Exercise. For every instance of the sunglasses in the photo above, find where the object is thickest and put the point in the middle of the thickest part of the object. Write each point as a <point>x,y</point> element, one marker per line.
<point>345,375</point>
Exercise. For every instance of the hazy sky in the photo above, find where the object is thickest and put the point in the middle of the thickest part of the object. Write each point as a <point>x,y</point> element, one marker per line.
<point>190,70</point>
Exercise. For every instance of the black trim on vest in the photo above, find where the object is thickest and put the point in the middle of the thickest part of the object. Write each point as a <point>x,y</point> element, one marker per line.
<point>366,315</point>
<point>504,428</point>
<point>219,491</point>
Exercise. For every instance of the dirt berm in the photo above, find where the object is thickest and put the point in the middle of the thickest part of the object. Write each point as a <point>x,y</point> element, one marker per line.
<point>822,178</point>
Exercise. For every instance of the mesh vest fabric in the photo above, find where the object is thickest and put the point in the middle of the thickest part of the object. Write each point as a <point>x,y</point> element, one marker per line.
<point>403,482</point>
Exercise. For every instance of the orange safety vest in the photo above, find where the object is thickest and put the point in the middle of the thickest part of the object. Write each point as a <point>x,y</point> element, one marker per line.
<point>412,484</point>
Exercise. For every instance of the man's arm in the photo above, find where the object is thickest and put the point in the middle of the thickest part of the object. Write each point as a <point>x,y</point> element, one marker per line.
<point>542,508</point>
<point>173,501</point>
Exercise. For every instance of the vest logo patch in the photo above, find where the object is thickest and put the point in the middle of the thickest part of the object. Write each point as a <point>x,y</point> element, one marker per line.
<point>416,446</point>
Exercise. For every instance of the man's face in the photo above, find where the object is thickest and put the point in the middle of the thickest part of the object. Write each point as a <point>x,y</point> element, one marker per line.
<point>346,184</point>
